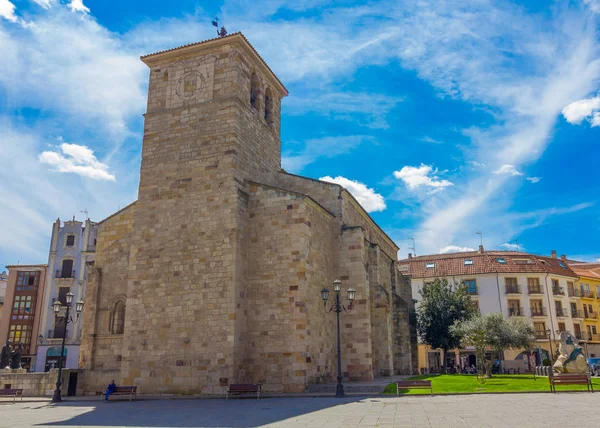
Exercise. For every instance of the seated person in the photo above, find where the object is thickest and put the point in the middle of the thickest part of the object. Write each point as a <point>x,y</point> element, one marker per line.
<point>110,389</point>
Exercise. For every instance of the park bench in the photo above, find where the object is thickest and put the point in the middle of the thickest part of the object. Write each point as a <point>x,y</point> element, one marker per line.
<point>413,384</point>
<point>12,393</point>
<point>124,390</point>
<point>570,379</point>
<point>238,388</point>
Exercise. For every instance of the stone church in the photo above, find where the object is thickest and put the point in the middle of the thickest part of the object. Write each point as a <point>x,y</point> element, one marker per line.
<point>213,276</point>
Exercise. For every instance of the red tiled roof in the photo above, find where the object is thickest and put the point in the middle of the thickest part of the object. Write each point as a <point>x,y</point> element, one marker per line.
<point>232,35</point>
<point>591,270</point>
<point>483,263</point>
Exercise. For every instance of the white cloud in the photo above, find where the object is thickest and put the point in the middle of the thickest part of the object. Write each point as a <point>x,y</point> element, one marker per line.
<point>421,176</point>
<point>363,109</point>
<point>7,11</point>
<point>46,4</point>
<point>455,249</point>
<point>588,109</point>
<point>594,5</point>
<point>511,247</point>
<point>79,160</point>
<point>368,198</point>
<point>427,139</point>
<point>534,179</point>
<point>78,6</point>
<point>326,147</point>
<point>508,170</point>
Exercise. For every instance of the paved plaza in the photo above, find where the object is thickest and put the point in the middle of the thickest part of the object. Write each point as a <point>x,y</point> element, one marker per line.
<point>506,410</point>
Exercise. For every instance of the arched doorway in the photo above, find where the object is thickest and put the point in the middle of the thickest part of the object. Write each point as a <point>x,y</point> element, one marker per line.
<point>52,357</point>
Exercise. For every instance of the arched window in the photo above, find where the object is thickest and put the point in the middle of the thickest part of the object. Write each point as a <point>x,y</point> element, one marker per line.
<point>268,106</point>
<point>254,90</point>
<point>117,318</point>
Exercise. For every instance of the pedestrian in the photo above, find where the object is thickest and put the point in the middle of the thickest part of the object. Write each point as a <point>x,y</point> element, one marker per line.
<point>110,389</point>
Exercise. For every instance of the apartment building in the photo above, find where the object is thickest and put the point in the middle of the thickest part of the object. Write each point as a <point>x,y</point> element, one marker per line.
<point>540,288</point>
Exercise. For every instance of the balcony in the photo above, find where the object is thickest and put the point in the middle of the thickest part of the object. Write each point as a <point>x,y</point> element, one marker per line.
<point>576,314</point>
<point>588,294</point>
<point>561,313</point>
<point>541,335</point>
<point>61,274</point>
<point>590,315</point>
<point>516,312</point>
<point>537,311</point>
<point>593,337</point>
<point>573,292</point>
<point>513,289</point>
<point>535,289</point>
<point>558,291</point>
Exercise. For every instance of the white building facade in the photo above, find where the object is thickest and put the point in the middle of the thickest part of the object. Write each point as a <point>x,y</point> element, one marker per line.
<point>72,245</point>
<point>512,283</point>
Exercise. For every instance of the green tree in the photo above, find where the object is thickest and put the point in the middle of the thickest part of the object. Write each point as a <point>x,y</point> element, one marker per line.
<point>442,304</point>
<point>493,333</point>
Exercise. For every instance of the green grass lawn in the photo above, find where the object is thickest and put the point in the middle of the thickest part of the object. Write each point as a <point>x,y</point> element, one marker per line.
<point>456,384</point>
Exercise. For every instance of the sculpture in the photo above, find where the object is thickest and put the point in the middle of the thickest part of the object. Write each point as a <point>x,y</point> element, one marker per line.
<point>571,358</point>
<point>5,355</point>
<point>16,357</point>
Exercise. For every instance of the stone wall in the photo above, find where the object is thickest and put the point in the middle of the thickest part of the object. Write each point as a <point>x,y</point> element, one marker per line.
<point>36,384</point>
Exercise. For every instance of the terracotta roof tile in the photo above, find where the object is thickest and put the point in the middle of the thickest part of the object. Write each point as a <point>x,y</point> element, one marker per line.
<point>482,263</point>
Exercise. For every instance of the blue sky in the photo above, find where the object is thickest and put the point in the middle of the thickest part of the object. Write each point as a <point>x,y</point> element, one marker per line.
<point>443,117</point>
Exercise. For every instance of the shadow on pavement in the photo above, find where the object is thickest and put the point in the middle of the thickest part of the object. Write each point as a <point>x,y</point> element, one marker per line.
<point>234,413</point>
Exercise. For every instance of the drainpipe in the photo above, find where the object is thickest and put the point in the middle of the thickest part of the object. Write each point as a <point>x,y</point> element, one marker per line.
<point>550,315</point>
<point>498,286</point>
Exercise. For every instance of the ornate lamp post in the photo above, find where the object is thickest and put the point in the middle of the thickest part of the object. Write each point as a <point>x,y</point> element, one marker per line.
<point>338,307</point>
<point>57,306</point>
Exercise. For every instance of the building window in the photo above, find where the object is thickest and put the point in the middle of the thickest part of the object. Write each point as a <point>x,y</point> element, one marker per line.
<point>117,318</point>
<point>501,260</point>
<point>268,106</point>
<point>562,265</point>
<point>70,242</point>
<point>471,285</point>
<point>522,261</point>
<point>561,326</point>
<point>20,333</point>
<point>514,308</point>
<point>430,265</point>
<point>468,262</point>
<point>577,331</point>
<point>254,90</point>
<point>28,281</point>
<point>540,330</point>
<point>66,270</point>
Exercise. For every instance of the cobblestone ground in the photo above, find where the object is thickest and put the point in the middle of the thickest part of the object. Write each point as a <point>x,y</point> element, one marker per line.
<point>509,410</point>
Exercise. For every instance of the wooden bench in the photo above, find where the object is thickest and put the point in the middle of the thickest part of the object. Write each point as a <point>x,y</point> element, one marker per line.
<point>570,379</point>
<point>123,390</point>
<point>410,384</point>
<point>12,393</point>
<point>238,388</point>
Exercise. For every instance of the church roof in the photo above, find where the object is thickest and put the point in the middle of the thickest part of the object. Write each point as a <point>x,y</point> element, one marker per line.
<point>190,46</point>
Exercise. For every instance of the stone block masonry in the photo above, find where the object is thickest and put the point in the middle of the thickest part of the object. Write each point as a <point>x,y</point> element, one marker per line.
<point>220,262</point>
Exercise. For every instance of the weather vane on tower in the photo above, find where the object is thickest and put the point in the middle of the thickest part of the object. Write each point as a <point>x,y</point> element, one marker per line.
<point>223,31</point>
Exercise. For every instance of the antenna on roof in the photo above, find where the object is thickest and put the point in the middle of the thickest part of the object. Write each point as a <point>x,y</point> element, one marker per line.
<point>516,243</point>
<point>413,247</point>
<point>223,31</point>
<point>85,212</point>
<point>480,237</point>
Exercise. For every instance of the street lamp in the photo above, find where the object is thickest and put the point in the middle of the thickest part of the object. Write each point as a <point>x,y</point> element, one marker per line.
<point>57,306</point>
<point>338,307</point>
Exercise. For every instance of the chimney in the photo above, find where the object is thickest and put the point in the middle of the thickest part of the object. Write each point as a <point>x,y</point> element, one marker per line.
<point>410,255</point>
<point>553,254</point>
<point>481,249</point>
<point>563,257</point>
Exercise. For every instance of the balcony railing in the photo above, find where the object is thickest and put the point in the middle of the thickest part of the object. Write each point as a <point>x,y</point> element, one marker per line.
<point>513,289</point>
<point>588,294</point>
<point>590,315</point>
<point>516,312</point>
<point>576,314</point>
<point>536,311</point>
<point>61,274</point>
<point>561,312</point>
<point>541,335</point>
<point>535,289</point>
<point>558,291</point>
<point>594,337</point>
<point>574,292</point>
